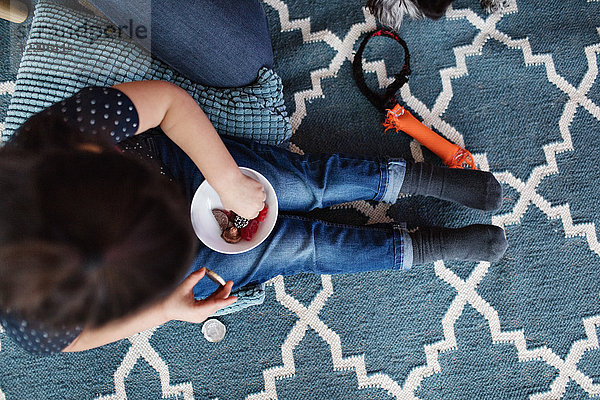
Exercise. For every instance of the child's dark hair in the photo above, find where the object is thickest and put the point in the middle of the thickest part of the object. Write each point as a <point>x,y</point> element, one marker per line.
<point>86,237</point>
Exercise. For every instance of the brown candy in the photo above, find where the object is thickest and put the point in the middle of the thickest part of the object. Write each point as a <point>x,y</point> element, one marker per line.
<point>231,235</point>
<point>222,219</point>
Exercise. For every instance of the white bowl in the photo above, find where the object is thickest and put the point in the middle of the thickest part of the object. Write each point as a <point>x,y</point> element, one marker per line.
<point>207,229</point>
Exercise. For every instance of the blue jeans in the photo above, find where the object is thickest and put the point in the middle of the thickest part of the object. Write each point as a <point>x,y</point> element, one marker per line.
<point>214,42</point>
<point>298,242</point>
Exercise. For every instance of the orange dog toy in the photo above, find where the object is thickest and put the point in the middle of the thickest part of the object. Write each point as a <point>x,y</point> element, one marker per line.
<point>398,117</point>
<point>452,155</point>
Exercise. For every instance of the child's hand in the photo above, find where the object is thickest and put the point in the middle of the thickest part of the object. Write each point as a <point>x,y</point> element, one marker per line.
<point>243,195</point>
<point>182,306</point>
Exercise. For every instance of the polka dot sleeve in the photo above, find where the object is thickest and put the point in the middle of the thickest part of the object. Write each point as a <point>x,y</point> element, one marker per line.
<point>97,111</point>
<point>37,339</point>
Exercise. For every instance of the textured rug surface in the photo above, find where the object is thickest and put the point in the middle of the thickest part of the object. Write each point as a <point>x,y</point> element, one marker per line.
<point>521,91</point>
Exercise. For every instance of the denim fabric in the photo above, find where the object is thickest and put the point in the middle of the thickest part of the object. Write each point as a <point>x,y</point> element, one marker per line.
<point>214,42</point>
<point>298,242</point>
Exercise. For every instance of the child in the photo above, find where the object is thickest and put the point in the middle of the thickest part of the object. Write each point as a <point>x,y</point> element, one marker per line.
<point>94,241</point>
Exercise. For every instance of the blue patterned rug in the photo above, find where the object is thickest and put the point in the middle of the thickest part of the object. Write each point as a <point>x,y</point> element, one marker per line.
<point>521,91</point>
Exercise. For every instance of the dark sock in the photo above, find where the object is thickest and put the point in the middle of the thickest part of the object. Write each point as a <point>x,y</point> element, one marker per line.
<point>472,188</point>
<point>470,243</point>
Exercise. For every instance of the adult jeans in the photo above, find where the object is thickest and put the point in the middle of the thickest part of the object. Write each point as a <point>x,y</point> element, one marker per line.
<point>298,242</point>
<point>214,42</point>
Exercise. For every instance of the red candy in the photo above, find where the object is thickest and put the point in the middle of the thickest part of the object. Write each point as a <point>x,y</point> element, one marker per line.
<point>263,213</point>
<point>249,230</point>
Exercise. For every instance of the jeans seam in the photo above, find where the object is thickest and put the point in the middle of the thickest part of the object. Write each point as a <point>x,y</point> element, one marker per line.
<point>383,181</point>
<point>397,247</point>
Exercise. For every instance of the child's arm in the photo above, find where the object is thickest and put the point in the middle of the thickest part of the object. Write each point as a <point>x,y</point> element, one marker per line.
<point>163,104</point>
<point>179,305</point>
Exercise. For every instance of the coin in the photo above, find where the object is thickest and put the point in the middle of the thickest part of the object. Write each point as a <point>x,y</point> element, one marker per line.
<point>213,330</point>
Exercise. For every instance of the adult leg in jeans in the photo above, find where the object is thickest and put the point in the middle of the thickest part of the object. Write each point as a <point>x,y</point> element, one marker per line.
<point>217,43</point>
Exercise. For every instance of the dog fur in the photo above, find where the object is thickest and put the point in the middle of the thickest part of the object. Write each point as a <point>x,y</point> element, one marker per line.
<point>391,12</point>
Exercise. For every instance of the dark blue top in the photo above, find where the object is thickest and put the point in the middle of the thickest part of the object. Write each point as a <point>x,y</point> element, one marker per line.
<point>37,338</point>
<point>96,111</point>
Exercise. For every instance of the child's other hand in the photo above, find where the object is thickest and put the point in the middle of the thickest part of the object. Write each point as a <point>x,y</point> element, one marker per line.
<point>182,306</point>
<point>243,195</point>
